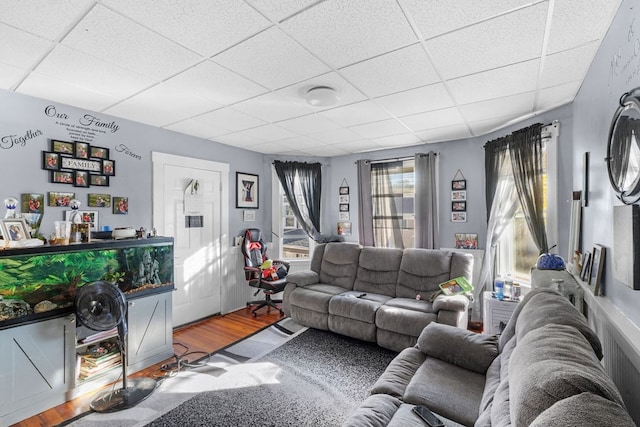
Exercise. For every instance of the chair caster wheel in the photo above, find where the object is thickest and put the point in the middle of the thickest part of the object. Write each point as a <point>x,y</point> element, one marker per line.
<point>254,314</point>
<point>281,313</point>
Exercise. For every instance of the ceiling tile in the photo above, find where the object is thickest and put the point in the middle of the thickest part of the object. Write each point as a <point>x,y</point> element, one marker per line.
<point>198,126</point>
<point>445,133</point>
<point>335,136</point>
<point>359,146</point>
<point>402,140</point>
<point>344,32</point>
<point>347,94</point>
<point>356,114</point>
<point>103,33</point>
<point>277,10</point>
<point>396,71</point>
<point>568,66</point>
<point>272,107</point>
<point>232,120</point>
<point>238,140</point>
<point>379,129</point>
<point>46,18</point>
<point>433,119</point>
<point>271,59</point>
<point>205,26</point>
<point>556,96</point>
<point>268,133</point>
<point>503,81</point>
<point>300,142</point>
<point>94,74</point>
<point>418,100</point>
<point>521,104</point>
<point>484,127</point>
<point>458,13</point>
<point>308,124</point>
<point>163,104</point>
<point>21,49</point>
<point>576,22</point>
<point>10,75</point>
<point>326,151</point>
<point>65,92</point>
<point>269,148</point>
<point>501,41</point>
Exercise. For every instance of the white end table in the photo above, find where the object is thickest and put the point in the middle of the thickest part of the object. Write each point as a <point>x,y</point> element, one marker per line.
<point>496,313</point>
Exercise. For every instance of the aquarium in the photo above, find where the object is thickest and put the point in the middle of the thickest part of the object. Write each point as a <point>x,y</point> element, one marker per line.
<point>41,282</point>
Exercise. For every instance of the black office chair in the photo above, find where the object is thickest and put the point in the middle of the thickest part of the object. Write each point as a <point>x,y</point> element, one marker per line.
<point>255,254</point>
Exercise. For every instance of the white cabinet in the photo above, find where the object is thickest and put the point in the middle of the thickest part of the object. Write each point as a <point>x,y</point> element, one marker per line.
<point>496,313</point>
<point>150,330</point>
<point>36,367</point>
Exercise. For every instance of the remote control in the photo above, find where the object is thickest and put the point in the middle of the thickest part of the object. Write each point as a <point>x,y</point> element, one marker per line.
<point>428,416</point>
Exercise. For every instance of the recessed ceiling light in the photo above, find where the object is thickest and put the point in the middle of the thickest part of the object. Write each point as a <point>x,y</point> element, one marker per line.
<point>321,96</point>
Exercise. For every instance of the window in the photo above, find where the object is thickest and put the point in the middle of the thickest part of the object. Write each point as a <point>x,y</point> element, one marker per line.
<point>290,240</point>
<point>516,251</point>
<point>393,193</point>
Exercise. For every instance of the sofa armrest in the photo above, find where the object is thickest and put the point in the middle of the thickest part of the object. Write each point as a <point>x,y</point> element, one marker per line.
<point>303,278</point>
<point>459,347</point>
<point>451,302</point>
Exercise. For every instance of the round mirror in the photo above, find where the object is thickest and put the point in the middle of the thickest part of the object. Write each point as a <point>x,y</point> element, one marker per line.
<point>623,149</point>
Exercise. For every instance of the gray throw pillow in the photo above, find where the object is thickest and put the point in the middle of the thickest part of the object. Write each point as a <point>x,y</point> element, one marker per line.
<point>457,346</point>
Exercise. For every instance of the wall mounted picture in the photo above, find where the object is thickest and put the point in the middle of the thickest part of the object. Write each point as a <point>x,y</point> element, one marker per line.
<point>458,217</point>
<point>459,206</point>
<point>597,265</point>
<point>88,217</point>
<point>344,190</point>
<point>344,198</point>
<point>96,200</point>
<point>459,184</point>
<point>99,152</point>
<point>61,177</point>
<point>80,178</point>
<point>466,240</point>
<point>99,180</point>
<point>32,203</point>
<point>60,199</point>
<point>344,229</point>
<point>120,205</point>
<point>15,229</point>
<point>50,160</point>
<point>343,207</point>
<point>247,195</point>
<point>63,147</point>
<point>459,195</point>
<point>81,150</point>
<point>343,216</point>
<point>108,167</point>
<point>249,216</point>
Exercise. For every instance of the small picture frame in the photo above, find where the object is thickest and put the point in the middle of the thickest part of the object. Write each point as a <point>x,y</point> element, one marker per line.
<point>344,229</point>
<point>466,240</point>
<point>344,191</point>
<point>32,203</point>
<point>247,191</point>
<point>81,150</point>
<point>248,215</point>
<point>459,195</point>
<point>597,265</point>
<point>80,178</point>
<point>99,180</point>
<point>343,207</point>
<point>96,200</point>
<point>60,199</point>
<point>15,229</point>
<point>459,184</point>
<point>459,206</point>
<point>109,167</point>
<point>120,205</point>
<point>50,161</point>
<point>99,152</point>
<point>88,217</point>
<point>344,198</point>
<point>458,217</point>
<point>61,177</point>
<point>343,216</point>
<point>586,267</point>
<point>62,147</point>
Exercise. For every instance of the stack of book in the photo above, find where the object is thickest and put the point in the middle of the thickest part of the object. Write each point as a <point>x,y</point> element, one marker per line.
<point>98,359</point>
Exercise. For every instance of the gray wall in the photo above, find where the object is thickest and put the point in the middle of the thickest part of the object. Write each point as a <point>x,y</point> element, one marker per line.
<point>615,70</point>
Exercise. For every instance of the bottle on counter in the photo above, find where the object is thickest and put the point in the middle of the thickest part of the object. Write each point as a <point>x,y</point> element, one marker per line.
<point>498,286</point>
<point>508,286</point>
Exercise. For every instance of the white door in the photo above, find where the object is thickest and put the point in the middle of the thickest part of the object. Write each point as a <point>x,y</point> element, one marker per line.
<point>199,249</point>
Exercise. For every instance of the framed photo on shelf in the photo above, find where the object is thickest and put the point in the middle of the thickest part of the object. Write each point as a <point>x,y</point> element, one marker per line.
<point>597,265</point>
<point>88,217</point>
<point>15,229</point>
<point>586,267</point>
<point>466,240</point>
<point>247,191</point>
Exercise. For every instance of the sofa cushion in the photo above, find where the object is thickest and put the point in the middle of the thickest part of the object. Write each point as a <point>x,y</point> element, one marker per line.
<point>396,377</point>
<point>460,347</point>
<point>405,316</point>
<point>422,270</point>
<point>350,305</point>
<point>446,389</point>
<point>314,297</point>
<point>378,270</point>
<point>339,264</point>
<point>584,409</point>
<point>376,411</point>
<point>552,363</point>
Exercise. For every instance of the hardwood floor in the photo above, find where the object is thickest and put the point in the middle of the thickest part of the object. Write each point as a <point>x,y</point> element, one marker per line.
<point>205,336</point>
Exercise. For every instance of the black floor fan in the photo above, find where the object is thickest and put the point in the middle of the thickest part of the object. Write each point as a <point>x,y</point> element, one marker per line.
<point>101,306</point>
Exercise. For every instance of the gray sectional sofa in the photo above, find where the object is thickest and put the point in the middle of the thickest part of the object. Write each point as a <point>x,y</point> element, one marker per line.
<point>370,293</point>
<point>544,370</point>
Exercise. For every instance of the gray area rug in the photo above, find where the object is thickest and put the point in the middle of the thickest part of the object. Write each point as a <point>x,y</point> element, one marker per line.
<point>273,378</point>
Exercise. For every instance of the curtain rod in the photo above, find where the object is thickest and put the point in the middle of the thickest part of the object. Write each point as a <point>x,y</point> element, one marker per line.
<point>397,159</point>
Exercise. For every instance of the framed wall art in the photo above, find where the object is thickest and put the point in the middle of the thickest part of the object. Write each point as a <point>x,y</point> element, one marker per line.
<point>458,217</point>
<point>99,180</point>
<point>60,199</point>
<point>247,187</point>
<point>344,229</point>
<point>88,217</point>
<point>120,205</point>
<point>61,177</point>
<point>99,152</point>
<point>32,203</point>
<point>96,200</point>
<point>50,160</point>
<point>459,206</point>
<point>80,178</point>
<point>597,265</point>
<point>15,229</point>
<point>78,163</point>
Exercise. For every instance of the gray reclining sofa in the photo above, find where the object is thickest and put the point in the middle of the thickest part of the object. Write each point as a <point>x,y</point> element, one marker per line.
<point>370,293</point>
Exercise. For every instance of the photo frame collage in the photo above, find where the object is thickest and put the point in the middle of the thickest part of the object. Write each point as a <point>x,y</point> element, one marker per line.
<point>78,163</point>
<point>459,200</point>
<point>344,224</point>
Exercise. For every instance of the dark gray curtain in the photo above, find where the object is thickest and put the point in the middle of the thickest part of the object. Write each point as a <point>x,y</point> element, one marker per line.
<point>309,177</point>
<point>426,198</point>
<point>494,157</point>
<point>365,207</point>
<point>526,149</point>
<point>387,205</point>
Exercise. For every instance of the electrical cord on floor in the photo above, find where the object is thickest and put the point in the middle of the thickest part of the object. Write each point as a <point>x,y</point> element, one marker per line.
<point>180,364</point>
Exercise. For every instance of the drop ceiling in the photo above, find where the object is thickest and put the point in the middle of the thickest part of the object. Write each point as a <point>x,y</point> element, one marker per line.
<point>407,72</point>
